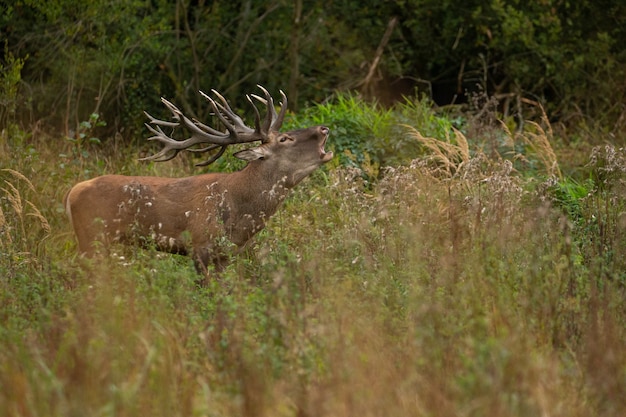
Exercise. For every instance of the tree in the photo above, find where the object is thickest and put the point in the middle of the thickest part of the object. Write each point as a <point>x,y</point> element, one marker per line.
<point>118,57</point>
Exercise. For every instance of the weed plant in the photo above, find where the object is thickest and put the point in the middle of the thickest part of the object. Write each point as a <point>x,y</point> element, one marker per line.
<point>460,282</point>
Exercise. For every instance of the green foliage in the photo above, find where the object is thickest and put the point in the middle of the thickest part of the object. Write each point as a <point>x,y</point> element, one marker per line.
<point>10,78</point>
<point>552,51</point>
<point>569,194</point>
<point>368,136</point>
<point>454,278</point>
<point>22,226</point>
<point>356,127</point>
<point>86,130</point>
<point>122,56</point>
<point>116,58</point>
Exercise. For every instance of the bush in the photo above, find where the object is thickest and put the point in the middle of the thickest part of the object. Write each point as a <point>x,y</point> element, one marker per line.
<point>122,56</point>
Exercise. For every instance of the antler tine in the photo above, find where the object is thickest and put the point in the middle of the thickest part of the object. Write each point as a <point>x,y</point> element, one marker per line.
<point>161,156</point>
<point>271,111</point>
<point>224,106</point>
<point>257,115</point>
<point>206,134</point>
<point>174,145</point>
<point>197,128</point>
<point>236,130</point>
<point>214,157</point>
<point>235,121</point>
<point>273,121</point>
<point>259,98</point>
<point>281,115</point>
<point>160,122</point>
<point>220,115</point>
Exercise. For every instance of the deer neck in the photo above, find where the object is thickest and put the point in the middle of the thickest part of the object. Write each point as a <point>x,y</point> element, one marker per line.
<point>260,186</point>
<point>269,176</point>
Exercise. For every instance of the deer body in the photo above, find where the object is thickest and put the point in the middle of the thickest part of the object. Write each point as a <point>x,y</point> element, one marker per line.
<point>193,215</point>
<point>150,210</point>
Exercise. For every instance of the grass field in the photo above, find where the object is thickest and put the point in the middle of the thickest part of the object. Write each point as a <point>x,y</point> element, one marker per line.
<point>482,273</point>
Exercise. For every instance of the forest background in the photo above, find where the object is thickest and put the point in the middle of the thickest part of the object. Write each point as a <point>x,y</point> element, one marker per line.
<point>65,60</point>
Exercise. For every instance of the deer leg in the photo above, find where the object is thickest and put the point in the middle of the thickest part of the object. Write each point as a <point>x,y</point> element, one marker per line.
<point>92,241</point>
<point>203,257</point>
<point>201,261</point>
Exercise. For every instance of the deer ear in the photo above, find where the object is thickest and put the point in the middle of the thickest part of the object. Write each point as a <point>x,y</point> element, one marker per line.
<point>251,154</point>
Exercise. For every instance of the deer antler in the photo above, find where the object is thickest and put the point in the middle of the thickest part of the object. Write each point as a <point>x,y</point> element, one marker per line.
<point>236,130</point>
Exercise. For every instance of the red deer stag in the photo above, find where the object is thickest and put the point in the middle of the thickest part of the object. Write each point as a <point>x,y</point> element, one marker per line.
<point>192,215</point>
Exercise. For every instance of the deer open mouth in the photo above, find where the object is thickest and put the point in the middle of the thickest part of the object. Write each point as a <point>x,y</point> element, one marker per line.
<point>325,156</point>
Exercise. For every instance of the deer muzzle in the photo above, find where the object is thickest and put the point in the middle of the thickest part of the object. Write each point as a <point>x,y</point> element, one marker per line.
<point>325,156</point>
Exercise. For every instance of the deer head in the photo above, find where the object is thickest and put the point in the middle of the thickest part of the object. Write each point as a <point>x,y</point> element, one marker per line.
<point>190,215</point>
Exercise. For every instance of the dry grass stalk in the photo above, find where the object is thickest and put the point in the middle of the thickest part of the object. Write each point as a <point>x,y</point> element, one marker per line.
<point>14,197</point>
<point>3,232</point>
<point>539,141</point>
<point>20,207</point>
<point>20,176</point>
<point>450,156</point>
<point>37,214</point>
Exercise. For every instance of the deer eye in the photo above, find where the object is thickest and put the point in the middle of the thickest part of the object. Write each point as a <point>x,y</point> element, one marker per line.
<point>284,139</point>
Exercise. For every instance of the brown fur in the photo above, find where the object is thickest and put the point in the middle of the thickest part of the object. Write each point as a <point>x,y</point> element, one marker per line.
<point>192,215</point>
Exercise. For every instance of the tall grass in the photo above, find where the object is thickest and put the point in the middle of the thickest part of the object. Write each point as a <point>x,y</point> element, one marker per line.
<point>460,283</point>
